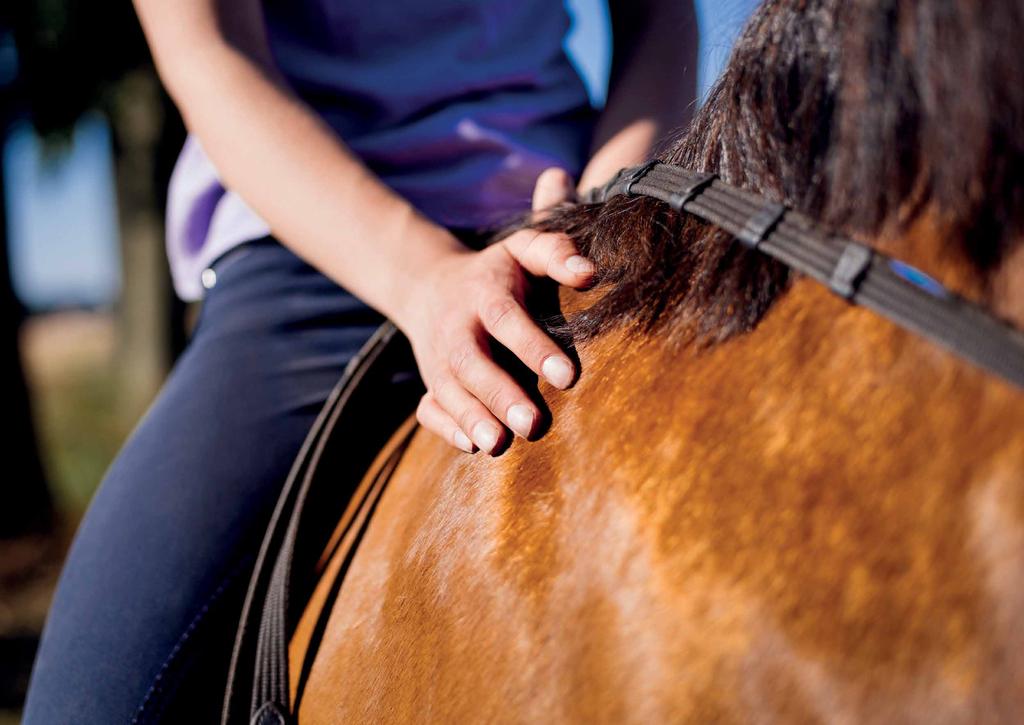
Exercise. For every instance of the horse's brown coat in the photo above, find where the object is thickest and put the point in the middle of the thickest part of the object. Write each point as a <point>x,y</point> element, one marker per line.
<point>758,503</point>
<point>821,520</point>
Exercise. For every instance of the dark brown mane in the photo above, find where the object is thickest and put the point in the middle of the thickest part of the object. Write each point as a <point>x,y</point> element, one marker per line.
<point>862,113</point>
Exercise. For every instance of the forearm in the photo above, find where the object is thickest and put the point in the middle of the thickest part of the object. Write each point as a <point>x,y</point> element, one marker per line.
<point>318,199</point>
<point>653,84</point>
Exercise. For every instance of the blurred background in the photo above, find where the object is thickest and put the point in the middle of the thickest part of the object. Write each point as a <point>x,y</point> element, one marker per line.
<point>89,324</point>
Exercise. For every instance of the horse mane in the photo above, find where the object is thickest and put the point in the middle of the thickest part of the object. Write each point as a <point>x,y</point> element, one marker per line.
<point>864,114</point>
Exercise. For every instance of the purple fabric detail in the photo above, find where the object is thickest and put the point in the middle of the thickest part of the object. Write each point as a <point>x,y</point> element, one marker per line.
<point>456,105</point>
<point>200,214</point>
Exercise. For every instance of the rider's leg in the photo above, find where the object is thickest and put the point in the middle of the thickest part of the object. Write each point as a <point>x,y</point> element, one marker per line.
<point>154,579</point>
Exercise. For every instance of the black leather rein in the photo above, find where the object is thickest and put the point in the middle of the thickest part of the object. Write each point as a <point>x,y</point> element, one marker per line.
<point>853,271</point>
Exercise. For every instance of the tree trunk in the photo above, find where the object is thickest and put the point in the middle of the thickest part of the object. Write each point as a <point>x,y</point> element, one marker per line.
<point>27,506</point>
<point>144,333</point>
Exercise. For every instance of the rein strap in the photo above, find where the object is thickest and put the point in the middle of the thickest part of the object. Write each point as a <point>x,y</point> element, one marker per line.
<point>857,273</point>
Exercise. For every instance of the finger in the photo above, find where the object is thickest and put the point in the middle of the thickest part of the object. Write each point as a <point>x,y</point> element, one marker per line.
<point>511,325</point>
<point>432,417</point>
<point>547,254</point>
<point>495,388</point>
<point>553,186</point>
<point>469,413</point>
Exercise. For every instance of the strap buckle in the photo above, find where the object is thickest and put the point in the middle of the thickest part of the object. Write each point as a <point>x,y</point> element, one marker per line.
<point>689,192</point>
<point>761,223</point>
<point>636,174</point>
<point>850,270</point>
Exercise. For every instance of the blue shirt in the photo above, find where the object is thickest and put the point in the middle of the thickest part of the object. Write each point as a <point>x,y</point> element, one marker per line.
<point>457,105</point>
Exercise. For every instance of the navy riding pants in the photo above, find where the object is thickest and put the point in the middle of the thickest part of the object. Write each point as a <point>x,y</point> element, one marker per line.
<point>143,620</point>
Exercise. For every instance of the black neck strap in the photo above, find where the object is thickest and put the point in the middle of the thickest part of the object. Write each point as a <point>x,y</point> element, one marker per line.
<point>856,273</point>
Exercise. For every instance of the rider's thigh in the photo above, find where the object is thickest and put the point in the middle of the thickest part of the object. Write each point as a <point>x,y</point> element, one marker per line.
<point>157,569</point>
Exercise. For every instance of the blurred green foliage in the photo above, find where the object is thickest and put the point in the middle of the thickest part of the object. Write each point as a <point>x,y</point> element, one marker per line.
<point>81,430</point>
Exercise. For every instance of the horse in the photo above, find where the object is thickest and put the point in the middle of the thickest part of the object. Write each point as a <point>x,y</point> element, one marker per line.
<point>759,503</point>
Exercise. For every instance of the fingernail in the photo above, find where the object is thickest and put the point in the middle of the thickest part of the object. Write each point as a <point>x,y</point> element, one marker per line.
<point>463,441</point>
<point>558,371</point>
<point>520,419</point>
<point>485,435</point>
<point>579,265</point>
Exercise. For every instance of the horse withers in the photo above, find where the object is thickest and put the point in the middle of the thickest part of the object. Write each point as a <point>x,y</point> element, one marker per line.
<point>759,502</point>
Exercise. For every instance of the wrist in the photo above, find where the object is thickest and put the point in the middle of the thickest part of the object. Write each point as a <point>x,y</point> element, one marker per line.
<point>417,275</point>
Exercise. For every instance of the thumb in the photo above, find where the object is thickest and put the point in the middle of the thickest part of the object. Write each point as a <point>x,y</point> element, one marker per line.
<point>553,186</point>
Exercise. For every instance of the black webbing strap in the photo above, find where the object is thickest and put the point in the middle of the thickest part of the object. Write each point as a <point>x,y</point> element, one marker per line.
<point>359,423</point>
<point>856,273</point>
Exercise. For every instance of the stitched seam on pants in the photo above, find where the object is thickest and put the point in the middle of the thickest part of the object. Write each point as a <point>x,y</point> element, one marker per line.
<point>144,710</point>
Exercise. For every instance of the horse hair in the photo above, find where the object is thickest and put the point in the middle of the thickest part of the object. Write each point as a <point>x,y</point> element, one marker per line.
<point>860,113</point>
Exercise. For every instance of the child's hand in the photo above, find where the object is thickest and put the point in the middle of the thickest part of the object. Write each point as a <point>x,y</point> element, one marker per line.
<point>468,298</point>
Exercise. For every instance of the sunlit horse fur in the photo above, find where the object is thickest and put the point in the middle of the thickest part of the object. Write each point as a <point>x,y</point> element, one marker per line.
<point>758,503</point>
